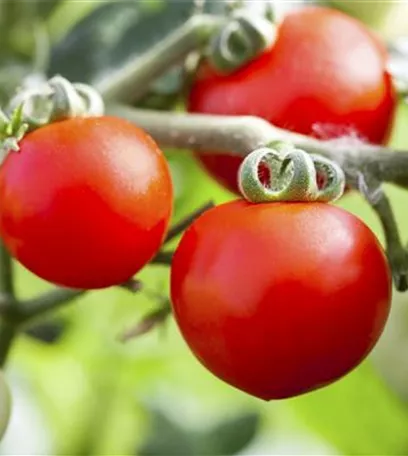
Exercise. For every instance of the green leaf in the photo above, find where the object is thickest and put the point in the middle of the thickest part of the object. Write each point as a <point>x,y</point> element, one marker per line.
<point>390,355</point>
<point>230,437</point>
<point>46,8</point>
<point>5,405</point>
<point>111,35</point>
<point>166,438</point>
<point>114,33</point>
<point>357,414</point>
<point>48,331</point>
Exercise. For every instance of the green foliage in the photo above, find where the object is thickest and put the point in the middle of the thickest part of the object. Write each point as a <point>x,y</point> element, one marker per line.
<point>93,389</point>
<point>46,9</point>
<point>358,415</point>
<point>5,404</point>
<point>112,34</point>
<point>230,437</point>
<point>166,437</point>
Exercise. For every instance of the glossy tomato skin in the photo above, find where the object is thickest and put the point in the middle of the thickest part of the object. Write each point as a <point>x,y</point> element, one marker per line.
<point>325,76</point>
<point>280,299</point>
<point>86,202</point>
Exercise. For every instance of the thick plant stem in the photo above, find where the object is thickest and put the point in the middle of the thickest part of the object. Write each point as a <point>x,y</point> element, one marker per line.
<point>240,135</point>
<point>7,334</point>
<point>7,328</point>
<point>163,258</point>
<point>362,163</point>
<point>54,299</point>
<point>133,81</point>
<point>396,252</point>
<point>6,273</point>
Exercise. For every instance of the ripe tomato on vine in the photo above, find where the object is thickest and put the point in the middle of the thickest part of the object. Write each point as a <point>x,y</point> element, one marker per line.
<point>324,76</point>
<point>86,202</point>
<point>279,299</point>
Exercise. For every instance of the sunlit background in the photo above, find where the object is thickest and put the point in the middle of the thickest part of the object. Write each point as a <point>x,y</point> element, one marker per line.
<point>77,390</point>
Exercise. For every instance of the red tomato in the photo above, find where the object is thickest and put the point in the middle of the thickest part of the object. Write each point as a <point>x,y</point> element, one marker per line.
<point>279,299</point>
<point>86,202</point>
<point>325,76</point>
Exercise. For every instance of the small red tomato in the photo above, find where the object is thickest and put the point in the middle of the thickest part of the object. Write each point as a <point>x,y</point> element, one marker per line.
<point>279,299</point>
<point>325,76</point>
<point>85,203</point>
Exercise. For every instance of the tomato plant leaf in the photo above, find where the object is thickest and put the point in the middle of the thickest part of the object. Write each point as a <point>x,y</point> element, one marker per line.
<point>227,438</point>
<point>166,437</point>
<point>48,332</point>
<point>231,436</point>
<point>45,8</point>
<point>115,32</point>
<point>358,414</point>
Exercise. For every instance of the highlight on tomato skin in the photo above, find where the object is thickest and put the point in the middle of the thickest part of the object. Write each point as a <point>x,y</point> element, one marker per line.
<point>86,202</point>
<point>280,299</point>
<point>325,77</point>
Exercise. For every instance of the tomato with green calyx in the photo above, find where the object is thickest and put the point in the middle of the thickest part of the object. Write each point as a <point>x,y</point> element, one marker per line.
<point>5,405</point>
<point>278,299</point>
<point>86,202</point>
<point>325,76</point>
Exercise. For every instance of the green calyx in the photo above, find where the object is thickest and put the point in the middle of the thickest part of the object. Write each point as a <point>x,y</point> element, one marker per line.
<point>240,40</point>
<point>292,175</point>
<point>12,130</point>
<point>42,103</point>
<point>57,99</point>
<point>45,102</point>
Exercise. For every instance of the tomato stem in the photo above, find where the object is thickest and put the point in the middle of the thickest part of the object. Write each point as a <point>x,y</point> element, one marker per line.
<point>396,252</point>
<point>243,134</point>
<point>131,82</point>
<point>179,227</point>
<point>7,334</point>
<point>7,328</point>
<point>46,302</point>
<point>149,322</point>
<point>163,258</point>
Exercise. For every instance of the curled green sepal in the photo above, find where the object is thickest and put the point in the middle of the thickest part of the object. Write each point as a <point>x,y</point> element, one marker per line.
<point>94,105</point>
<point>74,100</point>
<point>57,99</point>
<point>241,39</point>
<point>292,176</point>
<point>66,101</point>
<point>334,180</point>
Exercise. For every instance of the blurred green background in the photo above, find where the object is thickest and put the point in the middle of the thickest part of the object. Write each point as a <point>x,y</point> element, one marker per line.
<point>77,390</point>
